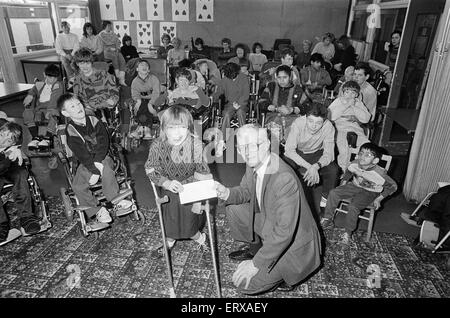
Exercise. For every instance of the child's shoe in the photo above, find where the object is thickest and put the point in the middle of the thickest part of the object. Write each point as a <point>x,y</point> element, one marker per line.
<point>346,239</point>
<point>137,133</point>
<point>44,143</point>
<point>30,224</point>
<point>124,205</point>
<point>326,223</point>
<point>202,243</point>
<point>103,216</point>
<point>33,144</point>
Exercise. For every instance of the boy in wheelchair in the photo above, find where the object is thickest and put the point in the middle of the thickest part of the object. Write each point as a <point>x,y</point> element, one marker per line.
<point>40,108</point>
<point>145,90</point>
<point>88,139</point>
<point>369,184</point>
<point>11,169</point>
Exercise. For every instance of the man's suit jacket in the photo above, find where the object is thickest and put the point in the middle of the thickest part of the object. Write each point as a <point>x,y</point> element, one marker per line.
<point>291,241</point>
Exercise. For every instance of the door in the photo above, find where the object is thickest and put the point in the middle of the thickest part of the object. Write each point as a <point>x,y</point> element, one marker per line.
<point>421,23</point>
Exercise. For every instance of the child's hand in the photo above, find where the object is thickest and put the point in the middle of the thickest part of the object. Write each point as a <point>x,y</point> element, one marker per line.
<point>377,202</point>
<point>283,110</point>
<point>236,105</point>
<point>15,153</point>
<point>99,166</point>
<point>110,102</point>
<point>173,186</point>
<point>197,208</point>
<point>296,110</point>
<point>271,108</point>
<point>27,101</point>
<point>94,179</point>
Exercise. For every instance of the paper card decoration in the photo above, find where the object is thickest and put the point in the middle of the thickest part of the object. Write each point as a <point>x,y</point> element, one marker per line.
<point>180,10</point>
<point>144,34</point>
<point>155,10</point>
<point>204,10</point>
<point>169,28</point>
<point>120,28</point>
<point>108,10</point>
<point>131,10</point>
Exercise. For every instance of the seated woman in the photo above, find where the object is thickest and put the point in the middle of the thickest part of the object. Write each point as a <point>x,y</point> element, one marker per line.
<point>257,58</point>
<point>145,90</point>
<point>309,150</point>
<point>282,101</point>
<point>314,78</point>
<point>347,112</point>
<point>91,41</point>
<point>190,96</point>
<point>165,46</point>
<point>97,88</point>
<point>128,50</point>
<point>242,59</point>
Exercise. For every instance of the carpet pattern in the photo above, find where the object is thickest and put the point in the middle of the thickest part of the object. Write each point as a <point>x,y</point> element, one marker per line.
<point>60,263</point>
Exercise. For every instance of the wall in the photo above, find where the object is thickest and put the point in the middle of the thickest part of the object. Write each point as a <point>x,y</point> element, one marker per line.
<point>255,20</point>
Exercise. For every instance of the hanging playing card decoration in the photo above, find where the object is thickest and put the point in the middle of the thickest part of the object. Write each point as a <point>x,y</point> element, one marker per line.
<point>120,28</point>
<point>204,10</point>
<point>144,35</point>
<point>169,28</point>
<point>180,10</point>
<point>108,9</point>
<point>131,10</point>
<point>155,10</point>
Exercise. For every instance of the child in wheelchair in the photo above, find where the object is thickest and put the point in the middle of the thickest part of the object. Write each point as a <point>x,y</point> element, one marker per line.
<point>145,90</point>
<point>175,158</point>
<point>11,170</point>
<point>88,139</point>
<point>40,107</point>
<point>347,113</point>
<point>363,183</point>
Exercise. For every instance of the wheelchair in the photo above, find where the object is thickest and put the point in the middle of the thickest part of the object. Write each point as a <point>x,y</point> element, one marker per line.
<point>71,202</point>
<point>38,201</point>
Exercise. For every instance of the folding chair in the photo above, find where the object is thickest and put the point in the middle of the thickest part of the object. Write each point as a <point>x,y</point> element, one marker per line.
<point>368,213</point>
<point>429,237</point>
<point>206,209</point>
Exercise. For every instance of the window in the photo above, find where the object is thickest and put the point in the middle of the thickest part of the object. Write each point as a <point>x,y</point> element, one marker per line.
<point>32,25</point>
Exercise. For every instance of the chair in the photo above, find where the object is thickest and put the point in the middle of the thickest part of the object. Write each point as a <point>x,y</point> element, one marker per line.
<point>368,213</point>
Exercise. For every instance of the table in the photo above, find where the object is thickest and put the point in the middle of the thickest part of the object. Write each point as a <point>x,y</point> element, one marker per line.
<point>40,63</point>
<point>10,92</point>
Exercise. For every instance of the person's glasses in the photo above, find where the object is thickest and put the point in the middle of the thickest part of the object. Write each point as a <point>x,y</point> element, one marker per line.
<point>248,148</point>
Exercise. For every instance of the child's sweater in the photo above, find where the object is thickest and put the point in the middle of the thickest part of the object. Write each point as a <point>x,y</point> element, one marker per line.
<point>374,179</point>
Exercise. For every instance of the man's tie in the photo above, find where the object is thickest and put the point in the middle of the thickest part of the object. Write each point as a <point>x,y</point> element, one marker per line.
<point>253,206</point>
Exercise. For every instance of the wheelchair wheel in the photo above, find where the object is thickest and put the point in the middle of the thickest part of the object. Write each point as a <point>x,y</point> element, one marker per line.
<point>140,217</point>
<point>67,204</point>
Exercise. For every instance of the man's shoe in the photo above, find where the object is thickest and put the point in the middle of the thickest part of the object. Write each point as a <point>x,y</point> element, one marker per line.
<point>326,223</point>
<point>284,287</point>
<point>44,143</point>
<point>33,144</point>
<point>242,254</point>
<point>203,245</point>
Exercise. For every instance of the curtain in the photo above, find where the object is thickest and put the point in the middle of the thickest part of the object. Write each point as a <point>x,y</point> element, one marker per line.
<point>429,160</point>
<point>94,11</point>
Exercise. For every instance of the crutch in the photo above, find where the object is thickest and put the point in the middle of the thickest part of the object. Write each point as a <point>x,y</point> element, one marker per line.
<point>213,253</point>
<point>160,201</point>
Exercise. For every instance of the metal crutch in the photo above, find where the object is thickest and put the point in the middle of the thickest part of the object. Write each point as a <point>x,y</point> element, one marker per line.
<point>160,201</point>
<point>213,253</point>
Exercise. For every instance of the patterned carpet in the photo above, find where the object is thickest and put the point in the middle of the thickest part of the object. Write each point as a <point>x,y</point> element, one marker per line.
<point>119,264</point>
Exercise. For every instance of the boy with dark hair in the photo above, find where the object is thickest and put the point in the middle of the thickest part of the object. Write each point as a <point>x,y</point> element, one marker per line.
<point>310,150</point>
<point>369,183</point>
<point>226,53</point>
<point>11,169</point>
<point>88,139</point>
<point>235,86</point>
<point>348,112</point>
<point>314,77</point>
<point>40,105</point>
